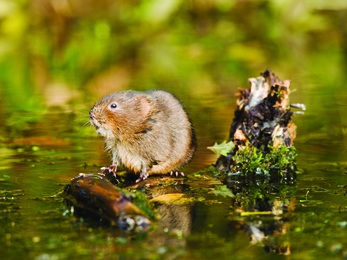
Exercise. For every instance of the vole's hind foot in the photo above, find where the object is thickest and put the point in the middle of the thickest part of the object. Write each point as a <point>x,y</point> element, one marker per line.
<point>176,174</point>
<point>143,176</point>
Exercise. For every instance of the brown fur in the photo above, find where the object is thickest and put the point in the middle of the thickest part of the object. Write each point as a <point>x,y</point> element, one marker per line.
<point>148,133</point>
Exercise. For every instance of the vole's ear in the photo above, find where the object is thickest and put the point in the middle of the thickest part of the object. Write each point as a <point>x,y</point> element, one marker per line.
<point>147,104</point>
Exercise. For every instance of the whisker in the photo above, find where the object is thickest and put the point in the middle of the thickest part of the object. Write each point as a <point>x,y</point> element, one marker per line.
<point>85,106</point>
<point>77,121</point>
<point>91,103</point>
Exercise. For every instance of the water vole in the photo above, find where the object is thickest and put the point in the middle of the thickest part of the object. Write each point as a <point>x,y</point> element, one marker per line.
<point>147,133</point>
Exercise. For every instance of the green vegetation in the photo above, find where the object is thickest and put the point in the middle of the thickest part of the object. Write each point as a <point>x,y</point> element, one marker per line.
<point>140,200</point>
<point>251,160</point>
<point>59,54</point>
<point>255,176</point>
<point>223,149</point>
<point>222,190</point>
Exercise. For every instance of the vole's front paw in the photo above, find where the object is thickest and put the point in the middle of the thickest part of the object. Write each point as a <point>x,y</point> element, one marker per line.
<point>109,173</point>
<point>107,170</point>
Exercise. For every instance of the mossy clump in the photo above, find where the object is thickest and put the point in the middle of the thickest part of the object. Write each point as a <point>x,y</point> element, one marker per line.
<point>251,160</point>
<point>140,200</point>
<point>259,178</point>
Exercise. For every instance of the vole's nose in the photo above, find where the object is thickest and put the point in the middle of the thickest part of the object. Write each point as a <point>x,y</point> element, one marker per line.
<point>91,114</point>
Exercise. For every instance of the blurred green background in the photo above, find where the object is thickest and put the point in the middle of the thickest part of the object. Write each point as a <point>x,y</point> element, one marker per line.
<point>59,52</point>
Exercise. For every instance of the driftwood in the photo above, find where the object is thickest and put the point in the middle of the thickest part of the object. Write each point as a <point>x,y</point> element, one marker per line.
<point>96,194</point>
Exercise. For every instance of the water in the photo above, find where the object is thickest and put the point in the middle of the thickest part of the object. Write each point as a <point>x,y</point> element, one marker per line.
<point>35,225</point>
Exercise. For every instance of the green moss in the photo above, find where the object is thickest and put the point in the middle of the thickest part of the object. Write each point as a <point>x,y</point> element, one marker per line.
<point>140,200</point>
<point>251,160</point>
<point>280,156</point>
<point>259,175</point>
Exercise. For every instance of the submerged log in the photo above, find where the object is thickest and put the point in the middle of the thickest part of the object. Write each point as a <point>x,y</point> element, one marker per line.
<point>94,193</point>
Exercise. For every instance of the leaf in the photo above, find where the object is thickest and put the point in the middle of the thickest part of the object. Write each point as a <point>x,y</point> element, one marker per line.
<point>223,148</point>
<point>223,191</point>
<point>173,198</point>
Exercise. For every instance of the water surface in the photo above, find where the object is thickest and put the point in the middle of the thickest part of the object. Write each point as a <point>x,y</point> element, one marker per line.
<point>310,222</point>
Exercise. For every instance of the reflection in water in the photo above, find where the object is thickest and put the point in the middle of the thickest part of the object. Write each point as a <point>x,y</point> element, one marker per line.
<point>263,202</point>
<point>175,221</point>
<point>270,236</point>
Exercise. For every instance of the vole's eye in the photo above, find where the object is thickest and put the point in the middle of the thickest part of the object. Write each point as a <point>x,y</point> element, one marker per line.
<point>113,105</point>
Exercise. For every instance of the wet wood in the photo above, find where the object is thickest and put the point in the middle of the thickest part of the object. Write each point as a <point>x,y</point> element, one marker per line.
<point>263,116</point>
<point>96,194</point>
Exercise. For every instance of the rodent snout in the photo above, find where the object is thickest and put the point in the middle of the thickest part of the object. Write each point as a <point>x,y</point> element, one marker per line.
<point>91,115</point>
